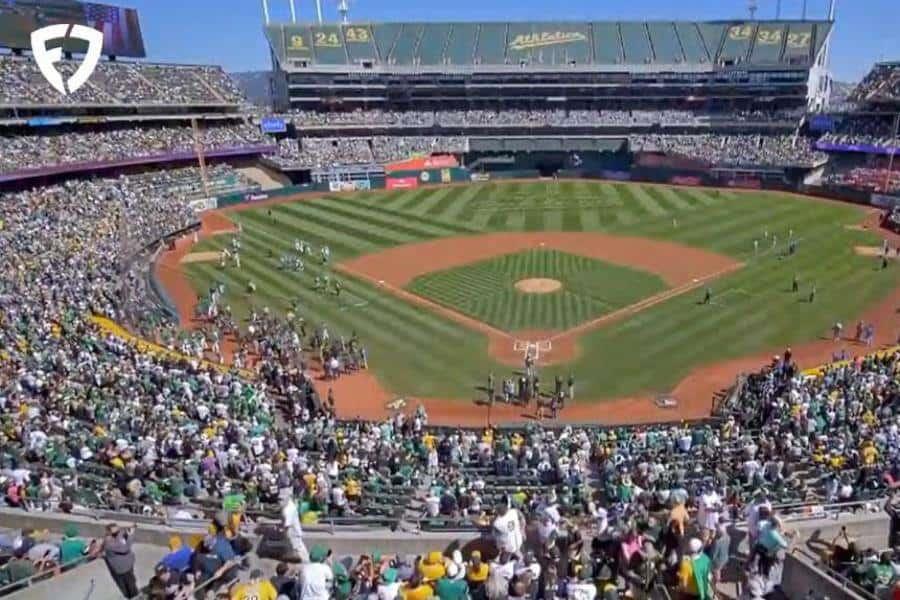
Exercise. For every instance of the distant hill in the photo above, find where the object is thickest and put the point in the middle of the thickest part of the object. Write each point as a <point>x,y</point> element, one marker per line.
<point>840,91</point>
<point>255,85</point>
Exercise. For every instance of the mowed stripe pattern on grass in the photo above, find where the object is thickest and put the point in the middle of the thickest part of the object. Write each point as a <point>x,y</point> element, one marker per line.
<point>486,290</point>
<point>417,352</point>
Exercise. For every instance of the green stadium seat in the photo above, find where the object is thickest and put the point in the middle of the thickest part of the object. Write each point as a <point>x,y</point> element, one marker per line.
<point>491,48</point>
<point>738,39</point>
<point>461,44</point>
<point>328,45</point>
<point>385,35</point>
<point>636,42</point>
<point>607,44</point>
<point>432,43</point>
<point>712,36</point>
<point>768,43</point>
<point>404,52</point>
<point>798,44</point>
<point>666,47</point>
<point>360,44</point>
<point>695,50</point>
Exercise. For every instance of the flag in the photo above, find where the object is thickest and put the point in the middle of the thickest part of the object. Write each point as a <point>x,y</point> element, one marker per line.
<point>121,31</point>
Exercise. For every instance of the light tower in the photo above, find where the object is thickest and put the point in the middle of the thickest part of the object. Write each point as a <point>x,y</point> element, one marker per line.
<point>344,10</point>
<point>752,6</point>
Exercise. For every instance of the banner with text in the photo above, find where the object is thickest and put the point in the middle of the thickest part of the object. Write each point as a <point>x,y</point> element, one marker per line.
<point>401,183</point>
<point>419,163</point>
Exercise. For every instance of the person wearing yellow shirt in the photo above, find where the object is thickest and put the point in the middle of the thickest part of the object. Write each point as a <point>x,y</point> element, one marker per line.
<point>477,571</point>
<point>309,478</point>
<point>352,489</point>
<point>836,461</point>
<point>869,454</point>
<point>432,567</point>
<point>256,588</point>
<point>428,440</point>
<point>416,589</point>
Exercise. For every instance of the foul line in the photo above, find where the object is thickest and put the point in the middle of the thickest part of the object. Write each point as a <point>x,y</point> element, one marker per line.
<point>646,303</point>
<point>422,301</point>
<point>484,327</point>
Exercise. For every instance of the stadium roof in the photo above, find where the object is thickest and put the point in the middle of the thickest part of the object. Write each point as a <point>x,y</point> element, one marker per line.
<point>598,45</point>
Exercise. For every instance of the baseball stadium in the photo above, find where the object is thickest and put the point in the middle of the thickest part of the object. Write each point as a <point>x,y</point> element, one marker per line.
<point>456,309</point>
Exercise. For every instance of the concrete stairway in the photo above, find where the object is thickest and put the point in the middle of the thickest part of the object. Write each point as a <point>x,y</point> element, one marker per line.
<point>266,178</point>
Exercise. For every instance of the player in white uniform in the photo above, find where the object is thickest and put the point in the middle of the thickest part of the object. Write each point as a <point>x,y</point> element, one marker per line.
<point>509,530</point>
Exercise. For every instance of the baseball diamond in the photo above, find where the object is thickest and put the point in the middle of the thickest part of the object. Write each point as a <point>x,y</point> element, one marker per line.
<point>432,356</point>
<point>491,290</point>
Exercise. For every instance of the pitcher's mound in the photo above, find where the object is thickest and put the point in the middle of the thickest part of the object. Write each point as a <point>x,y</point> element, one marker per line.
<point>538,285</point>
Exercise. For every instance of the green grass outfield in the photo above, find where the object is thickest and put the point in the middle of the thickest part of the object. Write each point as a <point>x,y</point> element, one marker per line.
<point>486,290</point>
<point>417,352</point>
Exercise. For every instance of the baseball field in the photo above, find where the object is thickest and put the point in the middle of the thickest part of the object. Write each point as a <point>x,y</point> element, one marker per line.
<point>605,281</point>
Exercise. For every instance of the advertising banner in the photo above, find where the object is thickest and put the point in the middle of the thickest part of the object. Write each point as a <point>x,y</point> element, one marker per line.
<point>272,125</point>
<point>46,121</point>
<point>446,177</point>
<point>438,161</point>
<point>356,185</point>
<point>401,183</point>
<point>201,204</point>
<point>255,197</point>
<point>867,148</point>
<point>480,176</point>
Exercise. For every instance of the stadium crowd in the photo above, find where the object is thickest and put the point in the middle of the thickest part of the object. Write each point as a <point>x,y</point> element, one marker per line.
<point>90,419</point>
<point>112,83</point>
<point>719,150</point>
<point>880,180</point>
<point>62,146</point>
<point>322,153</point>
<point>509,117</point>
<point>864,129</point>
<point>881,84</point>
<point>734,150</point>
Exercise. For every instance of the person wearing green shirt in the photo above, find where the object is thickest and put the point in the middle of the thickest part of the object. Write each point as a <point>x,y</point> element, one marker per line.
<point>72,547</point>
<point>343,587</point>
<point>17,569</point>
<point>451,589</point>
<point>881,574</point>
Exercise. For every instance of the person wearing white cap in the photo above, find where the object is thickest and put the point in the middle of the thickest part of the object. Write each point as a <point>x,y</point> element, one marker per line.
<point>694,572</point>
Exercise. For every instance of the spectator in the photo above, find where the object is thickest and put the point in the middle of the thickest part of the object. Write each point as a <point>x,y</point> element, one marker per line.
<point>694,573</point>
<point>316,578</point>
<point>119,557</point>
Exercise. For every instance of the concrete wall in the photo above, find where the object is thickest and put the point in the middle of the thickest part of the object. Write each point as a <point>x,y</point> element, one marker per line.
<point>342,542</point>
<point>801,576</point>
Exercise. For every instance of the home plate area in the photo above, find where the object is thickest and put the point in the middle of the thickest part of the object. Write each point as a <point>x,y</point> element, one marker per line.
<point>527,347</point>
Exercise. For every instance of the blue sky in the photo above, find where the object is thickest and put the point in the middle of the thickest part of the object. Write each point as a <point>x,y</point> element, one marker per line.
<point>228,32</point>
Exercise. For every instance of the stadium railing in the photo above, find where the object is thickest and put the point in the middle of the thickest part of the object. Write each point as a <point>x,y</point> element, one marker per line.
<point>44,575</point>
